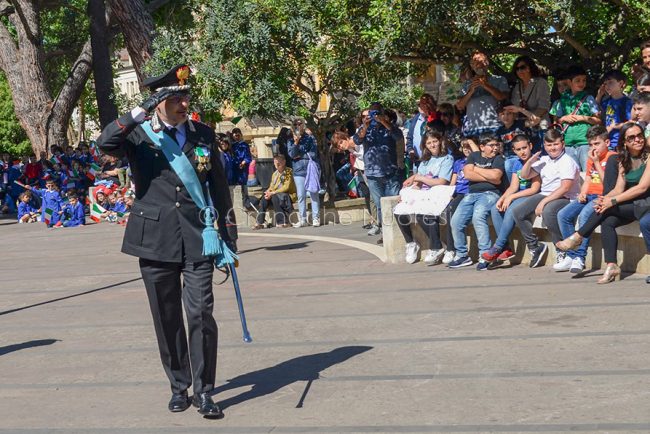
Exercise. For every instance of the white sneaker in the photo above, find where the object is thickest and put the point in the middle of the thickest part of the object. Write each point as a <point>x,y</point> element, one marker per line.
<point>316,222</point>
<point>433,256</point>
<point>577,266</point>
<point>412,250</point>
<point>449,256</point>
<point>300,224</point>
<point>563,264</point>
<point>374,230</point>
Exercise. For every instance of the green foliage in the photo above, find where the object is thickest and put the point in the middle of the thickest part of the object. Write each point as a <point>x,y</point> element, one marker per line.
<point>65,28</point>
<point>13,138</point>
<point>279,58</point>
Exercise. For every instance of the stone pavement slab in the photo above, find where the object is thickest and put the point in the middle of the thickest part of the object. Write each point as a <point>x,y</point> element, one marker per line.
<point>342,342</point>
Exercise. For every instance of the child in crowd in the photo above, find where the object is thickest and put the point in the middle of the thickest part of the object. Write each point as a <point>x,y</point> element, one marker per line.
<point>615,106</point>
<point>484,170</point>
<point>576,111</point>
<point>73,213</point>
<point>519,189</point>
<point>513,127</point>
<point>641,111</point>
<point>281,194</point>
<point>226,157</point>
<point>583,207</point>
<point>435,168</point>
<point>241,157</point>
<point>467,146</point>
<point>50,200</point>
<point>26,212</point>
<point>559,175</point>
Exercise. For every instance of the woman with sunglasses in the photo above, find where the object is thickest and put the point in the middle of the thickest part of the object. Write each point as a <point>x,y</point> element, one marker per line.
<point>531,92</point>
<point>617,208</point>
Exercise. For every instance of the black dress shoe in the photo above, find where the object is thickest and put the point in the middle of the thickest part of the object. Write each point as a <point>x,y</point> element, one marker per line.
<point>179,402</point>
<point>647,279</point>
<point>206,406</point>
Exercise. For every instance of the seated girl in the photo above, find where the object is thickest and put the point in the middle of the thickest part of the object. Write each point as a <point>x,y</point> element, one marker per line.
<point>435,169</point>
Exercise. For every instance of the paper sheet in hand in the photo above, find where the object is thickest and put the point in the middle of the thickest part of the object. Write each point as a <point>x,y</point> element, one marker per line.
<point>426,202</point>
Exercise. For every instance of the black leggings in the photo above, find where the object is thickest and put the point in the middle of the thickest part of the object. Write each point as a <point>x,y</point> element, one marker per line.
<point>430,225</point>
<point>614,217</point>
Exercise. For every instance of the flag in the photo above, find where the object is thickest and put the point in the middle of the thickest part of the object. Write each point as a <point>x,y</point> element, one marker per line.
<point>94,151</point>
<point>96,212</point>
<point>55,160</point>
<point>352,185</point>
<point>93,170</point>
<point>47,217</point>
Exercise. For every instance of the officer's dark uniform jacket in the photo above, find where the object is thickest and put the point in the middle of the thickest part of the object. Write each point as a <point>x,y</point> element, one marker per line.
<point>165,223</point>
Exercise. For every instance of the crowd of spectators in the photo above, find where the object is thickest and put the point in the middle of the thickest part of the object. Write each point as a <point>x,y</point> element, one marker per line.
<point>510,150</point>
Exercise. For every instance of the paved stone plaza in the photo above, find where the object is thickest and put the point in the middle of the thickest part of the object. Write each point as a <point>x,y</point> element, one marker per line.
<point>342,342</point>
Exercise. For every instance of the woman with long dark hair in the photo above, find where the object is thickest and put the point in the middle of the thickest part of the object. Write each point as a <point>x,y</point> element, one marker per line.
<point>618,208</point>
<point>531,92</point>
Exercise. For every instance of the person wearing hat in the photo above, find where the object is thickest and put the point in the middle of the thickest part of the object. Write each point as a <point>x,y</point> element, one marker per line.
<point>167,228</point>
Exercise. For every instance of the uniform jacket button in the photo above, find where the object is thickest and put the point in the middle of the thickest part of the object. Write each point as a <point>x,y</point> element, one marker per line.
<point>178,205</point>
<point>178,188</point>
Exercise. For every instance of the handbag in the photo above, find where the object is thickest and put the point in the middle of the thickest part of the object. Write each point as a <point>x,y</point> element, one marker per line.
<point>312,179</point>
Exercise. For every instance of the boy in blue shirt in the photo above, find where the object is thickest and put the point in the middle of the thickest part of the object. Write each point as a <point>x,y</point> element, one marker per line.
<point>73,213</point>
<point>26,212</point>
<point>616,107</point>
<point>50,199</point>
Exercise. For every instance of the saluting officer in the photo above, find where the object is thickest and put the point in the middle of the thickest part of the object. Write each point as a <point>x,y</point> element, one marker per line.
<point>165,232</point>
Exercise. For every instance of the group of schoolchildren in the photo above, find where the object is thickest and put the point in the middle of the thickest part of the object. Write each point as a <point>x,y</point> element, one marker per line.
<point>510,178</point>
<point>55,191</point>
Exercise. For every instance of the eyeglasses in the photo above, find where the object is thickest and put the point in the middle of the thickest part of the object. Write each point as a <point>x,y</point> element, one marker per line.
<point>493,144</point>
<point>630,139</point>
<point>521,67</point>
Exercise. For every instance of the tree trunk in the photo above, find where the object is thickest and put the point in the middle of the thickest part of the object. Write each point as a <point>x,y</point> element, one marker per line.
<point>102,68</point>
<point>45,121</point>
<point>137,25</point>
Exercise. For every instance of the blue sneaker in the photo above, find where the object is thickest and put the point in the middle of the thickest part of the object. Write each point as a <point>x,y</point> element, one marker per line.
<point>465,261</point>
<point>482,265</point>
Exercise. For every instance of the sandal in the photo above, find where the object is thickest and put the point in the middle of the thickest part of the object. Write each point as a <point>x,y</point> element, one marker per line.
<point>257,227</point>
<point>569,243</point>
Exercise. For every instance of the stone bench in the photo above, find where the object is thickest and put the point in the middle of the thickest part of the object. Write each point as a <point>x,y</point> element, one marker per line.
<point>631,253</point>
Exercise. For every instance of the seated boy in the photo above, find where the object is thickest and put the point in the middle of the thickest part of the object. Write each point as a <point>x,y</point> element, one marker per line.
<point>281,194</point>
<point>583,207</point>
<point>484,170</point>
<point>513,127</point>
<point>517,192</point>
<point>641,110</point>
<point>26,212</point>
<point>73,213</point>
<point>559,175</point>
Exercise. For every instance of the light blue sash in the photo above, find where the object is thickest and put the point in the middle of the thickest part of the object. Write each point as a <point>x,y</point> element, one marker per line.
<point>213,245</point>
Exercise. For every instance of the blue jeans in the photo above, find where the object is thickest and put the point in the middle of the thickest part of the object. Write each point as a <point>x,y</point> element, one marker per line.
<point>474,207</point>
<point>566,218</point>
<point>381,187</point>
<point>302,199</point>
<point>504,223</point>
<point>644,224</point>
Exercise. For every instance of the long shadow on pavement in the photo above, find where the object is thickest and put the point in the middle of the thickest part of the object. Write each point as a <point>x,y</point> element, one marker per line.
<point>54,300</point>
<point>24,345</point>
<point>269,380</point>
<point>291,246</point>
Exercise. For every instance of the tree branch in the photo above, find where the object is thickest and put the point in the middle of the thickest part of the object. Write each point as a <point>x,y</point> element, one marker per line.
<point>154,5</point>
<point>581,49</point>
